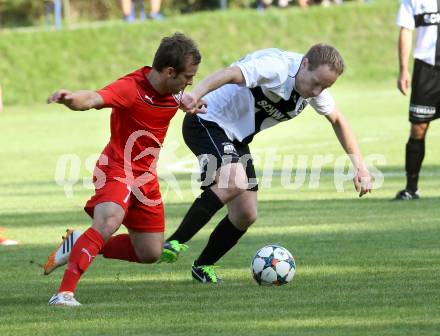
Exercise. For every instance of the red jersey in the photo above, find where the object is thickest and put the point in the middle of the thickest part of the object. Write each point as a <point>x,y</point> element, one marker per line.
<point>139,121</point>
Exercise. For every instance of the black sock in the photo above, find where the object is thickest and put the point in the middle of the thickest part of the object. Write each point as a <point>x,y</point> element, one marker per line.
<point>222,239</point>
<point>198,215</point>
<point>415,152</point>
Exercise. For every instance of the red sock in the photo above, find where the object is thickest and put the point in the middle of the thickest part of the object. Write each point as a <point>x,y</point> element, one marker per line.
<point>119,247</point>
<point>85,249</point>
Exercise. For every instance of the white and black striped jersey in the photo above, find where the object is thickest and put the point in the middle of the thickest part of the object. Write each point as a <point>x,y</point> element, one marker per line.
<point>424,16</point>
<point>267,98</point>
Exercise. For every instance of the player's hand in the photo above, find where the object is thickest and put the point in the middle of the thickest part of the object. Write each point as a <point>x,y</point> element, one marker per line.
<point>201,107</point>
<point>187,102</point>
<point>60,97</point>
<point>363,181</point>
<point>404,82</point>
<point>191,105</point>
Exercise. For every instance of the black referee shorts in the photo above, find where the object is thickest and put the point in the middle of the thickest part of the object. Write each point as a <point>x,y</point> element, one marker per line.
<point>209,142</point>
<point>425,93</point>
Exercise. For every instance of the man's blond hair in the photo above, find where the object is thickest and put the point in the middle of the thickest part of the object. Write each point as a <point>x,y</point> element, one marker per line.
<point>324,54</point>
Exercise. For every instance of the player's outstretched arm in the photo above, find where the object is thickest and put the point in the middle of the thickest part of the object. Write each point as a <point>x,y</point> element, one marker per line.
<point>77,101</point>
<point>363,181</point>
<point>191,102</point>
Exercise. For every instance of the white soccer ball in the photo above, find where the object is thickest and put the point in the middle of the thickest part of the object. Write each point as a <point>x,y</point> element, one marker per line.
<point>273,265</point>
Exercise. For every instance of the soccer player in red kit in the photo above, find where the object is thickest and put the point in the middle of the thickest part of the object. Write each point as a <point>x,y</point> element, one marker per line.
<point>127,189</point>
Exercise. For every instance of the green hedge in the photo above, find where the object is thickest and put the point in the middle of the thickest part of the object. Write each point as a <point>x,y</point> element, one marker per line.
<point>19,13</point>
<point>34,63</point>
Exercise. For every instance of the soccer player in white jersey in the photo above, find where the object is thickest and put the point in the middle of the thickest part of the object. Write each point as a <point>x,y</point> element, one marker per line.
<point>259,91</point>
<point>423,16</point>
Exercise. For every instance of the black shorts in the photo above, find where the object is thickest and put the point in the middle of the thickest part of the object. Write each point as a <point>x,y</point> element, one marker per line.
<point>209,142</point>
<point>425,93</point>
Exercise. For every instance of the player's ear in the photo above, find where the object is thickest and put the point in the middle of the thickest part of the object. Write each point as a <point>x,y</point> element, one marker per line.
<point>170,72</point>
<point>305,63</point>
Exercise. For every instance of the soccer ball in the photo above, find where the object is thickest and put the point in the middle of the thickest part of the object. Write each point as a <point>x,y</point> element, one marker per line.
<point>273,265</point>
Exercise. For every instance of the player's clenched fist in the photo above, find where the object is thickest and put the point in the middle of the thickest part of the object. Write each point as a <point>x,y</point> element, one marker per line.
<point>190,105</point>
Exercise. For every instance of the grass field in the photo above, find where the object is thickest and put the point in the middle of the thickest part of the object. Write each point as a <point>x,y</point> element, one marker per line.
<point>365,266</point>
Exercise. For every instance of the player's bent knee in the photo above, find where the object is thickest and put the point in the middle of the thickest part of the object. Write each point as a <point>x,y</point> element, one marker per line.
<point>108,223</point>
<point>149,257</point>
<point>107,227</point>
<point>244,219</point>
<point>249,219</point>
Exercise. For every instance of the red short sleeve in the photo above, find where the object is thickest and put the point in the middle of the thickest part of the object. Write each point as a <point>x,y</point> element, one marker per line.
<point>121,93</point>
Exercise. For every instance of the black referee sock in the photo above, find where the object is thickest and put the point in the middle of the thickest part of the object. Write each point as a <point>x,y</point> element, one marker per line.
<point>198,215</point>
<point>222,239</point>
<point>415,152</point>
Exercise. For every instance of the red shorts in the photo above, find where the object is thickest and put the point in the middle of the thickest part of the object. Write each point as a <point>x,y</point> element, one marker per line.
<point>143,205</point>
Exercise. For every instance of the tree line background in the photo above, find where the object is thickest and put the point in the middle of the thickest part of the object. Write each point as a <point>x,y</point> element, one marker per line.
<point>22,13</point>
<point>19,13</point>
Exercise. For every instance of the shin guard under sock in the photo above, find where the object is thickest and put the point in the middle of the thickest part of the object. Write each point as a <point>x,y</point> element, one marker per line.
<point>84,251</point>
<point>198,215</point>
<point>222,239</point>
<point>415,152</point>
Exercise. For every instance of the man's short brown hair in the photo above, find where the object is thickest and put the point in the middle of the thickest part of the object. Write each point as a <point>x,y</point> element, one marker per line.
<point>174,51</point>
<point>323,54</point>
